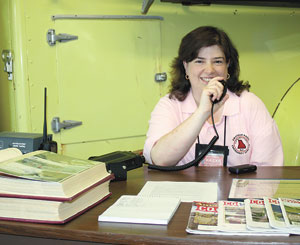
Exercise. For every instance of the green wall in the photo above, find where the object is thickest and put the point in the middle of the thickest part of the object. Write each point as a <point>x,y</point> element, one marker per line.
<point>268,40</point>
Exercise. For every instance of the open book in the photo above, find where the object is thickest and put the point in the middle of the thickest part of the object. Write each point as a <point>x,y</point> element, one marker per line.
<point>47,175</point>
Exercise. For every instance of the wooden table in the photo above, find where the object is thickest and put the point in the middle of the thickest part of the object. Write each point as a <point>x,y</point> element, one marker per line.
<point>86,228</point>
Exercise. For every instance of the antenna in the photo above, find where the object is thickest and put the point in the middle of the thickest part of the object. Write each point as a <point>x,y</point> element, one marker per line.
<point>45,139</point>
<point>47,145</point>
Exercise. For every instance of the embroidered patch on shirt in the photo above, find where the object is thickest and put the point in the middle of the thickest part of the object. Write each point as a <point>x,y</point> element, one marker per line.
<point>241,144</point>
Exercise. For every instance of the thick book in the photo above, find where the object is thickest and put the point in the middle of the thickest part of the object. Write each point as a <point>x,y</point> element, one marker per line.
<point>141,210</point>
<point>47,175</point>
<point>52,212</point>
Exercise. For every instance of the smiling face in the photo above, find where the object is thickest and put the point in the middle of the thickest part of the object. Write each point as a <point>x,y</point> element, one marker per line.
<point>209,63</point>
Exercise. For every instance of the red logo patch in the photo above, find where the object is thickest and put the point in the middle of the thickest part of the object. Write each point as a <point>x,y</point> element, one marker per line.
<point>241,144</point>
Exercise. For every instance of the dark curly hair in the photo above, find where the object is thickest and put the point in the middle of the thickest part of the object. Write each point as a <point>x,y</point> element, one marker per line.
<point>204,36</point>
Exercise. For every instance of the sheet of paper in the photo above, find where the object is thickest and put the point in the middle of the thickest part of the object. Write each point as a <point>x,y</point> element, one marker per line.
<point>259,188</point>
<point>186,191</point>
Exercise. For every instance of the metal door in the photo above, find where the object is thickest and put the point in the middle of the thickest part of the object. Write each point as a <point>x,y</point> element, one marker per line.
<point>106,77</point>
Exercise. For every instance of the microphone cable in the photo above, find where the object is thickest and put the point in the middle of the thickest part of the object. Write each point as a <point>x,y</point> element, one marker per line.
<point>284,96</point>
<point>197,158</point>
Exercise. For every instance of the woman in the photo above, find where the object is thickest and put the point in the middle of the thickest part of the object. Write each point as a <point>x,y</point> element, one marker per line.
<point>206,56</point>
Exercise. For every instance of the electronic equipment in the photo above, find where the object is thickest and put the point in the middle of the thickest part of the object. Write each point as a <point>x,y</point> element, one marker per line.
<point>25,142</point>
<point>241,169</point>
<point>119,162</point>
<point>29,142</point>
<point>47,145</point>
<point>204,152</point>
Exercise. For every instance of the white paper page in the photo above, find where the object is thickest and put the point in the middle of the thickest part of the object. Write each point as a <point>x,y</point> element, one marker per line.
<point>145,210</point>
<point>186,191</point>
<point>9,153</point>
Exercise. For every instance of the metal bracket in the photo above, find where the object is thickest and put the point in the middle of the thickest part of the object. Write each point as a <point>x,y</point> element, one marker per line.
<point>7,58</point>
<point>67,124</point>
<point>146,5</point>
<point>161,77</point>
<point>52,38</point>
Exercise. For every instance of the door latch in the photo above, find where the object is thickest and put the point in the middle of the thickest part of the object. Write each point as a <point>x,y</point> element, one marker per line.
<point>52,38</point>
<point>67,124</point>
<point>8,63</point>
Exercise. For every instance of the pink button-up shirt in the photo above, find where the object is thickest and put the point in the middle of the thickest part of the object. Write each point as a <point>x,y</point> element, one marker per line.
<point>251,134</point>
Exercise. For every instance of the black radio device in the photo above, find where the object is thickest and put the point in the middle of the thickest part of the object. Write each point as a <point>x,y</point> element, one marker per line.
<point>119,162</point>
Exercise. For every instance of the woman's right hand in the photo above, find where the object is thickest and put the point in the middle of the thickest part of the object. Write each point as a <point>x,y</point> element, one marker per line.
<point>212,91</point>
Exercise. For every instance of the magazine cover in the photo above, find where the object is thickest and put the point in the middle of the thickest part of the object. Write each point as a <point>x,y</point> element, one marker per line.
<point>232,216</point>
<point>274,213</point>
<point>203,218</point>
<point>291,213</point>
<point>256,215</point>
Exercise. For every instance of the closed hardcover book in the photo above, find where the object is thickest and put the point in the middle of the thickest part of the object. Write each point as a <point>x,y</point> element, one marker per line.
<point>47,175</point>
<point>52,212</point>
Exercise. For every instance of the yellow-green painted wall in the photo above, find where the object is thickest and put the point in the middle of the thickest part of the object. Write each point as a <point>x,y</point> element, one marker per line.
<point>268,40</point>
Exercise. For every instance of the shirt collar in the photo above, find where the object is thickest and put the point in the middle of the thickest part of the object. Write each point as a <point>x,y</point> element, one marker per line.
<point>189,104</point>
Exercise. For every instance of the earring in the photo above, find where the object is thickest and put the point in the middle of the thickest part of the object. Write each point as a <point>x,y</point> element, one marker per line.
<point>187,77</point>
<point>228,76</point>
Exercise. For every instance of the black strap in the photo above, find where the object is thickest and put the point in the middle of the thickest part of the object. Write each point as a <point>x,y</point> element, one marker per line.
<point>224,132</point>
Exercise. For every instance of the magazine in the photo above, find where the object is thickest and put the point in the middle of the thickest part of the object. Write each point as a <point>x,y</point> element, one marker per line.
<point>256,215</point>
<point>257,218</point>
<point>222,218</point>
<point>274,213</point>
<point>232,216</point>
<point>203,218</point>
<point>291,213</point>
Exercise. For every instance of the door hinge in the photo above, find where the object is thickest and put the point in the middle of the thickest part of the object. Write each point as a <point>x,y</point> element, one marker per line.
<point>7,58</point>
<point>52,38</point>
<point>67,124</point>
